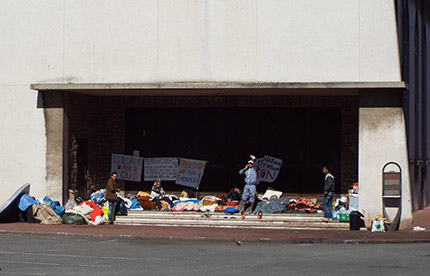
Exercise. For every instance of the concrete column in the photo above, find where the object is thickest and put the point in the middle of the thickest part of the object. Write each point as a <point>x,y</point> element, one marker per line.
<point>54,126</point>
<point>382,139</point>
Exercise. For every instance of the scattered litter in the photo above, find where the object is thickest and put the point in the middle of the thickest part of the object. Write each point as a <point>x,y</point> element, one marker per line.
<point>419,228</point>
<point>378,224</point>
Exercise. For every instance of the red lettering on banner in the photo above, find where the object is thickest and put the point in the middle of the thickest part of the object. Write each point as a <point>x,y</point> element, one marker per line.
<point>271,174</point>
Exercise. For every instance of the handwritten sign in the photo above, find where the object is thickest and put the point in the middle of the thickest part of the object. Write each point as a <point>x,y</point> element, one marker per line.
<point>127,167</point>
<point>268,168</point>
<point>190,172</point>
<point>164,168</point>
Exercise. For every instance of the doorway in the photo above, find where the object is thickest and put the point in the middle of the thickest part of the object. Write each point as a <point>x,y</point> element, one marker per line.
<point>304,138</point>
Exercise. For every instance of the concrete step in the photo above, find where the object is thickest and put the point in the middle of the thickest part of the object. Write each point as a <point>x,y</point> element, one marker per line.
<point>218,219</point>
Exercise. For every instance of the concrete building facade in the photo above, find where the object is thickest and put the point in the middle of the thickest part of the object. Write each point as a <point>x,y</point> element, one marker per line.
<point>322,76</point>
<point>413,20</point>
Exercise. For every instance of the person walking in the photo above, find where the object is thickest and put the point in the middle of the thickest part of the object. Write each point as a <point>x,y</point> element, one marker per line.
<point>328,194</point>
<point>111,196</point>
<point>113,199</point>
<point>250,189</point>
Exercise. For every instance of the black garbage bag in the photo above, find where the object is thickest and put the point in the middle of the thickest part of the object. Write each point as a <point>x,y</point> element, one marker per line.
<point>29,215</point>
<point>355,220</point>
<point>73,219</point>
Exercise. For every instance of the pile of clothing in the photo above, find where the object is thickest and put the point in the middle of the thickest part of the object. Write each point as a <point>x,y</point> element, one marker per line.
<point>75,212</point>
<point>304,205</point>
<point>268,204</point>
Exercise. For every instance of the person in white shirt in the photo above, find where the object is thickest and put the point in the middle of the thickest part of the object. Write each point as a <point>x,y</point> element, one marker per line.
<point>158,194</point>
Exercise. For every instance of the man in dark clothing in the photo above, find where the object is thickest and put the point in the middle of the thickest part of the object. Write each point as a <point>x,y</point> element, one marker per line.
<point>328,194</point>
<point>233,195</point>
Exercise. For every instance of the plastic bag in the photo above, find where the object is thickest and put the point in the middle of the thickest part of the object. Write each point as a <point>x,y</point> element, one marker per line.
<point>26,201</point>
<point>378,226</point>
<point>99,220</point>
<point>70,204</point>
<point>73,219</point>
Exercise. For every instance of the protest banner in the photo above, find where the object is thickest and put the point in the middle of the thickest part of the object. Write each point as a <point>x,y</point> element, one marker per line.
<point>164,168</point>
<point>127,167</point>
<point>190,172</point>
<point>268,168</point>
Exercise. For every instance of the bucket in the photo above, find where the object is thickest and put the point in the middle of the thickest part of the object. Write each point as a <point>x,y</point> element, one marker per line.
<point>106,210</point>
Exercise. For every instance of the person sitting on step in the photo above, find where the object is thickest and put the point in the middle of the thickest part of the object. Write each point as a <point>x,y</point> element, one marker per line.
<point>158,194</point>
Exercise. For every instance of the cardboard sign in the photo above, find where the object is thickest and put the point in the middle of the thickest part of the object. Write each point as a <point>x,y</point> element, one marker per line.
<point>127,167</point>
<point>164,168</point>
<point>190,172</point>
<point>268,168</point>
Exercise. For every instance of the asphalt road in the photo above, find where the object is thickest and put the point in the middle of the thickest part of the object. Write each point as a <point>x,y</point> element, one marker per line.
<point>26,254</point>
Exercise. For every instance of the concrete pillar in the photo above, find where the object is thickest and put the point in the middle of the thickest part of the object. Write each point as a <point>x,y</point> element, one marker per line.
<point>53,104</point>
<point>382,139</point>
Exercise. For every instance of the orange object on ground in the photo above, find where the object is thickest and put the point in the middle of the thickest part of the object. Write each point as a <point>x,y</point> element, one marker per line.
<point>96,212</point>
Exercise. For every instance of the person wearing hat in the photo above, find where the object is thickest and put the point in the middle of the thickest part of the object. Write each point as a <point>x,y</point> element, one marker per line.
<point>250,189</point>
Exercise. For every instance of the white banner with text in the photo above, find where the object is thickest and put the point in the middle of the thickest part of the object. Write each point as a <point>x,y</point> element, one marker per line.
<point>190,172</point>
<point>268,168</point>
<point>164,168</point>
<point>127,167</point>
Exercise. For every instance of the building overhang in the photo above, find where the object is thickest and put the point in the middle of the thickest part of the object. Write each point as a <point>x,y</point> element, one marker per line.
<point>218,88</point>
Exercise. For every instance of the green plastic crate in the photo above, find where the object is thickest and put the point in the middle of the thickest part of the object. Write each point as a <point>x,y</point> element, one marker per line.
<point>344,217</point>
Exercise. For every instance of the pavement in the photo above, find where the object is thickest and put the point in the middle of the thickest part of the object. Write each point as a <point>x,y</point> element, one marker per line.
<point>421,234</point>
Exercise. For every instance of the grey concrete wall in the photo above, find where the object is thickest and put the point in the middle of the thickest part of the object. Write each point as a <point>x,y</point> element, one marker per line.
<point>382,139</point>
<point>109,41</point>
<point>53,104</point>
<point>199,40</point>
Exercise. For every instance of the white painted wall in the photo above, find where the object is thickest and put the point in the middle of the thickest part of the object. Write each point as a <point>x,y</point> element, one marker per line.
<point>22,143</point>
<point>382,139</point>
<point>200,40</point>
<point>113,41</point>
<point>30,51</point>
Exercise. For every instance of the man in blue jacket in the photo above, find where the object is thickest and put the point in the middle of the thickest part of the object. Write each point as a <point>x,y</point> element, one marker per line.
<point>250,189</point>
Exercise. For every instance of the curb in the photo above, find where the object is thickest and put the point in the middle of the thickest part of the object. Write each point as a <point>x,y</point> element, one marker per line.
<point>227,235</point>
